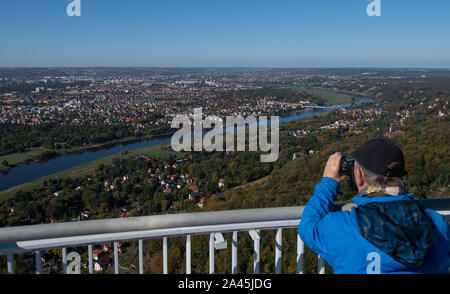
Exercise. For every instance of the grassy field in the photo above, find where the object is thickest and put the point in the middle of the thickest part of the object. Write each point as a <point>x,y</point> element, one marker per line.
<point>255,182</point>
<point>331,97</point>
<point>19,158</point>
<point>16,159</point>
<point>158,151</point>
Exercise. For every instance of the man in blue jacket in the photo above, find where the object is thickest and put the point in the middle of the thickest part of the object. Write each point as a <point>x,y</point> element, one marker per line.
<point>387,232</point>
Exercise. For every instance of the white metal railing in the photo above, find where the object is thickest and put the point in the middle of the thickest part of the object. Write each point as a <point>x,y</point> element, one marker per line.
<point>37,238</point>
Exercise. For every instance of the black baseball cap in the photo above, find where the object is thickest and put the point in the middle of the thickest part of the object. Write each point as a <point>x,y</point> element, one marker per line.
<point>381,157</point>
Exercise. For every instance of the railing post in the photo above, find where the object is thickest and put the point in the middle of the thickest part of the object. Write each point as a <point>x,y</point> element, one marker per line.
<point>300,252</point>
<point>234,243</point>
<point>64,259</point>
<point>90,262</point>
<point>10,263</point>
<point>116,258</point>
<point>37,257</point>
<point>321,265</point>
<point>278,241</point>
<point>256,239</point>
<point>141,257</point>
<point>211,253</point>
<point>188,254</point>
<point>165,255</point>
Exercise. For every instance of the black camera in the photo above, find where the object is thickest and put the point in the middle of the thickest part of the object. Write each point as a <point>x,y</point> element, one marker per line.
<point>346,168</point>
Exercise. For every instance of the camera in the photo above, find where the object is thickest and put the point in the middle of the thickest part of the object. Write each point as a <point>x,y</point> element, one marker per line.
<point>346,168</point>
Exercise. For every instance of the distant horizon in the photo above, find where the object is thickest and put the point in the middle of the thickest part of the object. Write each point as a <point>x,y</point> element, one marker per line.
<point>230,67</point>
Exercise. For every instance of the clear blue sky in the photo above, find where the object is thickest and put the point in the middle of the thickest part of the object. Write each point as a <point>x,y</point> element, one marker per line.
<point>248,33</point>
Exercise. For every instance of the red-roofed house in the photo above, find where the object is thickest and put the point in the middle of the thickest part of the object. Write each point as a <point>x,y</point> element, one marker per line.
<point>201,203</point>
<point>193,188</point>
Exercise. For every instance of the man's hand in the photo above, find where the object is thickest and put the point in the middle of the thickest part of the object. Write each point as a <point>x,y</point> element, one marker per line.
<point>332,167</point>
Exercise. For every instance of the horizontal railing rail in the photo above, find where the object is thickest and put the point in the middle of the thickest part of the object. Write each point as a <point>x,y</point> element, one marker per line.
<point>36,238</point>
<point>153,222</point>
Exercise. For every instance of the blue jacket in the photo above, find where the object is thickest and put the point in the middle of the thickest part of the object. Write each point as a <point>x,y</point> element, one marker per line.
<point>387,234</point>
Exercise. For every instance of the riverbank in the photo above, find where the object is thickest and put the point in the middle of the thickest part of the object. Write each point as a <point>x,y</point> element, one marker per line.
<point>32,172</point>
<point>42,154</point>
<point>158,151</point>
<point>332,97</point>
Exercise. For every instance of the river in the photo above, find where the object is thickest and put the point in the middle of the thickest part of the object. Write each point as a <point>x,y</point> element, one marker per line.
<point>35,170</point>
